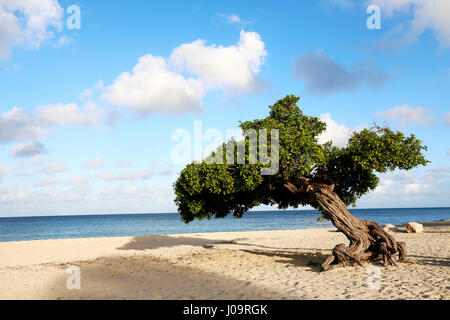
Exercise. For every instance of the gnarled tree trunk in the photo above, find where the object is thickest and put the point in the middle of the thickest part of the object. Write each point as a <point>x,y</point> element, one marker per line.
<point>368,240</point>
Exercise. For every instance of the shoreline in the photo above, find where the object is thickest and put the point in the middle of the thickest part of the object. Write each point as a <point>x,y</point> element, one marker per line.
<point>270,264</point>
<point>428,223</point>
<point>146,213</point>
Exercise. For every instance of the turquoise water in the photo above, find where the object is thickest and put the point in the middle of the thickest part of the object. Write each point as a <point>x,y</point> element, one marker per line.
<point>91,226</point>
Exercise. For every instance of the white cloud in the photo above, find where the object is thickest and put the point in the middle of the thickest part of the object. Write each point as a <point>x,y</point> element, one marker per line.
<point>28,23</point>
<point>19,125</point>
<point>384,186</point>
<point>405,114</point>
<point>406,176</point>
<point>107,176</point>
<point>233,69</point>
<point>394,184</point>
<point>54,199</point>
<point>415,188</point>
<point>234,18</point>
<point>123,164</point>
<point>27,149</point>
<point>5,168</point>
<point>152,88</point>
<point>32,161</point>
<point>12,194</point>
<point>72,181</point>
<point>9,30</point>
<point>129,190</point>
<point>323,76</point>
<point>167,171</point>
<point>85,95</point>
<point>400,185</point>
<point>159,85</point>
<point>144,174</point>
<point>76,181</point>
<point>337,133</point>
<point>126,175</point>
<point>71,114</point>
<point>447,118</point>
<point>27,167</point>
<point>426,15</point>
<point>62,195</point>
<point>99,85</point>
<point>46,182</point>
<point>436,174</point>
<point>52,168</point>
<point>63,41</point>
<point>95,163</point>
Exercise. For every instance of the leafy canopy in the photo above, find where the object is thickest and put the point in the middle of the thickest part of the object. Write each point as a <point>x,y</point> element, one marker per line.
<point>205,189</point>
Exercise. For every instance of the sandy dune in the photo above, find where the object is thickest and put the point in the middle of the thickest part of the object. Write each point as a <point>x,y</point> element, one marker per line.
<point>234,265</point>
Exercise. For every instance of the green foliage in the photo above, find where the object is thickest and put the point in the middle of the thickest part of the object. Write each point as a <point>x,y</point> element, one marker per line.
<point>352,168</point>
<point>206,190</point>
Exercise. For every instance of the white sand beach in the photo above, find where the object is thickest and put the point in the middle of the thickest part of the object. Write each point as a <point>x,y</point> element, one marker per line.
<point>231,265</point>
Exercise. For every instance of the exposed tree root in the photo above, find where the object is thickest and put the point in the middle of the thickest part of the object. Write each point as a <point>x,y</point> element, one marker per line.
<point>383,247</point>
<point>368,240</point>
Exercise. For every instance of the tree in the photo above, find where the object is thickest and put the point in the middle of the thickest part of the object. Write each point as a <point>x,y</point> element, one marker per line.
<point>320,175</point>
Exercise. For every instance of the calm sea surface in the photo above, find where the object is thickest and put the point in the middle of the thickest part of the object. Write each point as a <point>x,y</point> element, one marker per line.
<point>91,226</point>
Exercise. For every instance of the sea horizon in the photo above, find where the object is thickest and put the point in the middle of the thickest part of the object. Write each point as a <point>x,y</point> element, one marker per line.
<point>141,224</point>
<point>172,212</point>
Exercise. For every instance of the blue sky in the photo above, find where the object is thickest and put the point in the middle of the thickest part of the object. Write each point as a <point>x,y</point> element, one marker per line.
<point>87,114</point>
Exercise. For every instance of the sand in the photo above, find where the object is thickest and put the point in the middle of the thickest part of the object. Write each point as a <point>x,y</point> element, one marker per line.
<point>230,265</point>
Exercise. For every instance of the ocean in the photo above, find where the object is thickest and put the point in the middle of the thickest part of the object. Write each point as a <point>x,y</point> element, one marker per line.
<point>113,225</point>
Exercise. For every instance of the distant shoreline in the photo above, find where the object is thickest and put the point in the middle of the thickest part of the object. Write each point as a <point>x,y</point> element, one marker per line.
<point>434,224</point>
<point>150,213</point>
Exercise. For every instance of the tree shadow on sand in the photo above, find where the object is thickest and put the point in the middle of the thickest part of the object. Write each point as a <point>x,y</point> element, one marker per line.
<point>163,241</point>
<point>313,260</point>
<point>441,223</point>
<point>146,277</point>
<point>303,257</point>
<point>166,241</point>
<point>430,261</point>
